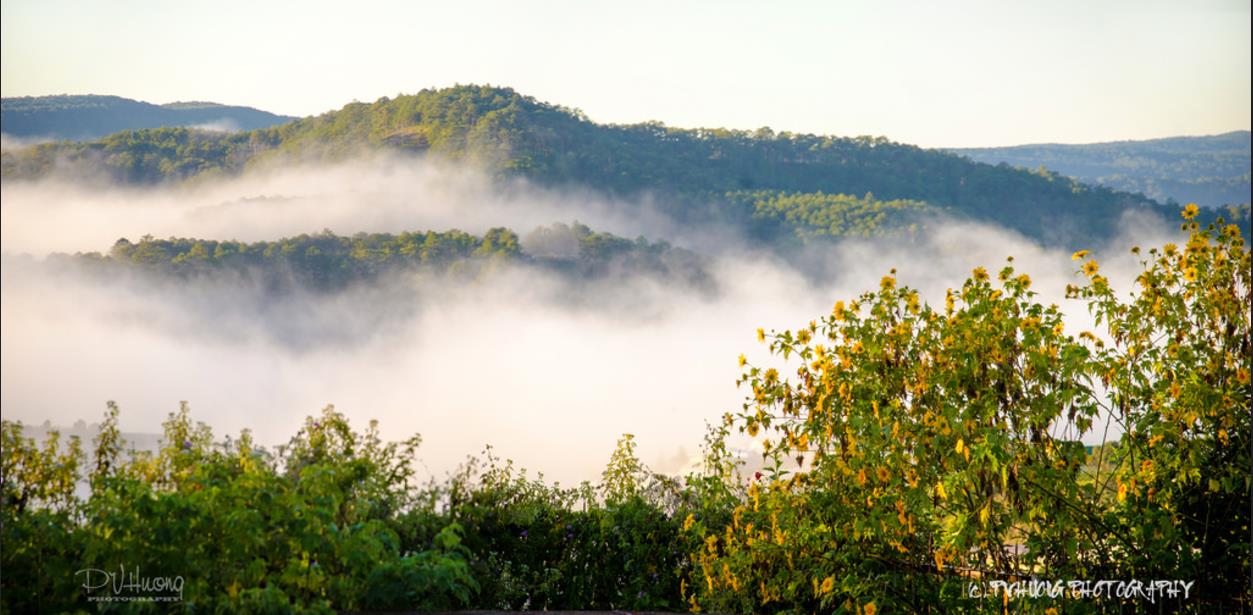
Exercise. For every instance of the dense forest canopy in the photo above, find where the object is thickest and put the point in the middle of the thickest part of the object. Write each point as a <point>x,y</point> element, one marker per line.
<point>1211,170</point>
<point>93,117</point>
<point>689,171</point>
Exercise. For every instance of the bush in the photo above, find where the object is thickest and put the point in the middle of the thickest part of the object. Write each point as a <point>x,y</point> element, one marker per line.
<point>941,446</point>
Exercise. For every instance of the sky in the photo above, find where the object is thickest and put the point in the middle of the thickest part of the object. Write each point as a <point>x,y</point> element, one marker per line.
<point>958,74</point>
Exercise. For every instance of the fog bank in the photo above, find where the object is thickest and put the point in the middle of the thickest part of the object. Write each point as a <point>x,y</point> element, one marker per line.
<point>520,359</point>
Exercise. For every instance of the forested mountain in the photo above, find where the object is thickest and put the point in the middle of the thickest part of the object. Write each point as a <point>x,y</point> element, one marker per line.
<point>92,117</point>
<point>805,185</point>
<point>1210,170</point>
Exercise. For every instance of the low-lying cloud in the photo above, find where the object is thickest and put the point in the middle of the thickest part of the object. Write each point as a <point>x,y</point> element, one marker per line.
<point>547,368</point>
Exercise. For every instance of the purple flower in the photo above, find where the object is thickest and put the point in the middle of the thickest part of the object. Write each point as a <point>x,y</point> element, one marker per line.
<point>187,445</point>
<point>523,534</point>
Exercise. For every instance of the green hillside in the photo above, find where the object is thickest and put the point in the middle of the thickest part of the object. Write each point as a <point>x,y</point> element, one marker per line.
<point>1211,170</point>
<point>92,117</point>
<point>698,175</point>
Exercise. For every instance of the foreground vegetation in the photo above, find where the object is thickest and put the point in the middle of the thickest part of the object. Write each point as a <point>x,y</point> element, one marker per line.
<point>937,446</point>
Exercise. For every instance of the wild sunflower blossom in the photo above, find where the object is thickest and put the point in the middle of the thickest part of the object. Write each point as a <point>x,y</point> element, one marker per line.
<point>838,310</point>
<point>912,303</point>
<point>1190,211</point>
<point>1090,268</point>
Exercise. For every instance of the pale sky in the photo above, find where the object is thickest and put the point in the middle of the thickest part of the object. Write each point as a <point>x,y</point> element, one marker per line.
<point>962,73</point>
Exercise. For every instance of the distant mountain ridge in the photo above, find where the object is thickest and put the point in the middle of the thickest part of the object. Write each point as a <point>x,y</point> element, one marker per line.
<point>780,188</point>
<point>1209,170</point>
<point>87,117</point>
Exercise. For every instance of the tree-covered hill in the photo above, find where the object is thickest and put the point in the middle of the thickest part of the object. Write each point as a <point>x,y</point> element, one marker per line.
<point>694,173</point>
<point>326,262</point>
<point>1209,170</point>
<point>92,117</point>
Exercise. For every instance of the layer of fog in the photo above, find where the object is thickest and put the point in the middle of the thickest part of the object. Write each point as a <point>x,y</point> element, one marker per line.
<point>509,359</point>
<point>379,194</point>
<point>222,124</point>
<point>14,143</point>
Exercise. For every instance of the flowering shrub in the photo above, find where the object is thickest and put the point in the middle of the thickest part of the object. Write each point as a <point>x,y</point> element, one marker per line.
<point>939,446</point>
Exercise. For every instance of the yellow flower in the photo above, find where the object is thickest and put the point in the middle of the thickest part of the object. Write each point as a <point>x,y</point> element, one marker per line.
<point>752,428</point>
<point>687,523</point>
<point>1190,211</point>
<point>980,274</point>
<point>1169,249</point>
<point>887,283</point>
<point>743,361</point>
<point>1058,328</point>
<point>1189,274</point>
<point>1090,268</point>
<point>869,609</point>
<point>939,490</point>
<point>828,585</point>
<point>1242,376</point>
<point>1080,255</point>
<point>761,335</point>
<point>838,310</point>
